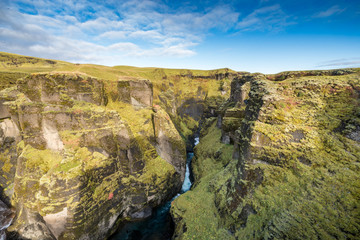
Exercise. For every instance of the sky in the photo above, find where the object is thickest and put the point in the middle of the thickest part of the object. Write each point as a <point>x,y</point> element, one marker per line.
<point>244,35</point>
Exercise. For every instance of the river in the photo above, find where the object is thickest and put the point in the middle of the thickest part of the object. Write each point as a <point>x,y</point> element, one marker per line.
<point>160,225</point>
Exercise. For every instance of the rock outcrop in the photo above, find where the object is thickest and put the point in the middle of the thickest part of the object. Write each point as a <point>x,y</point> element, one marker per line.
<point>80,155</point>
<point>281,162</point>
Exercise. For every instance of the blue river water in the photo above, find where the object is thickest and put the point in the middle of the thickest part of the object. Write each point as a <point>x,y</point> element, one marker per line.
<point>160,225</point>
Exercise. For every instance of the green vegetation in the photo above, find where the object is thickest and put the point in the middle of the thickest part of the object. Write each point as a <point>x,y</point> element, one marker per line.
<point>310,189</point>
<point>297,174</point>
<point>292,173</point>
<point>42,159</point>
<point>197,207</point>
<point>172,87</point>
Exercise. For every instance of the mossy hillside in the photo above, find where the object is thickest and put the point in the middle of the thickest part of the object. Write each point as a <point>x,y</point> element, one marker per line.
<point>303,130</point>
<point>183,80</point>
<point>297,74</point>
<point>17,63</point>
<point>326,188</point>
<point>300,163</point>
<point>195,212</point>
<point>24,64</point>
<point>312,205</point>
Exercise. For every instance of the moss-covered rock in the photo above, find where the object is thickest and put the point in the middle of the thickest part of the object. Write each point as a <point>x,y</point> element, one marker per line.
<point>84,158</point>
<point>293,173</point>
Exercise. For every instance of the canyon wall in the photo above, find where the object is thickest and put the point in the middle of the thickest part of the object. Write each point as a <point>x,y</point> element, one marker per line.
<point>279,162</point>
<point>79,155</point>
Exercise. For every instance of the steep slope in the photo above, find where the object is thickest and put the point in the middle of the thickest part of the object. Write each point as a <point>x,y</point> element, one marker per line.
<point>81,154</point>
<point>282,161</point>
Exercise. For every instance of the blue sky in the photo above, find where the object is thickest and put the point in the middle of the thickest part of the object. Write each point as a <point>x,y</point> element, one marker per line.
<point>256,36</point>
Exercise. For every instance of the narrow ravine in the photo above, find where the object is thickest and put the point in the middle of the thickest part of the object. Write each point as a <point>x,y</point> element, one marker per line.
<point>160,225</point>
<point>6,217</point>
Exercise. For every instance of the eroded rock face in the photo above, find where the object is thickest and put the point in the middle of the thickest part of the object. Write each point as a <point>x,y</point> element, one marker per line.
<point>86,155</point>
<point>135,92</point>
<point>295,142</point>
<point>169,144</point>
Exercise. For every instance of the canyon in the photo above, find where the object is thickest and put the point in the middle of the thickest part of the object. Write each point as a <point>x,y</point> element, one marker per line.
<point>87,149</point>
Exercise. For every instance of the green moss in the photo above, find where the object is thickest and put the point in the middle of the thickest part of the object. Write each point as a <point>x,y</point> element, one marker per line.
<point>42,159</point>
<point>7,167</point>
<point>67,166</point>
<point>137,118</point>
<point>157,169</point>
<point>315,204</point>
<point>299,178</point>
<point>197,207</point>
<point>199,214</point>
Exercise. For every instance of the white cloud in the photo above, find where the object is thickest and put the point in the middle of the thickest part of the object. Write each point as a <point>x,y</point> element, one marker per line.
<point>113,35</point>
<point>124,47</point>
<point>75,30</point>
<point>151,34</point>
<point>345,62</point>
<point>270,18</point>
<point>178,51</point>
<point>334,10</point>
<point>86,31</point>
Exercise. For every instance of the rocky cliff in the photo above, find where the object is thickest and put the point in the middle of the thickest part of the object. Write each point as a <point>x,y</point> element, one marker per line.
<point>80,155</point>
<point>189,95</point>
<point>85,148</point>
<point>280,162</point>
<point>186,95</point>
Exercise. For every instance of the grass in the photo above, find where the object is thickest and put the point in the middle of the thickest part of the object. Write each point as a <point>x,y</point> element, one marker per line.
<point>197,206</point>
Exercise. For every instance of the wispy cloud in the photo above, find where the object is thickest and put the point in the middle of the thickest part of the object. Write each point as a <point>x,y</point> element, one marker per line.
<point>96,31</point>
<point>270,18</point>
<point>334,10</point>
<point>345,62</point>
<point>82,31</point>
